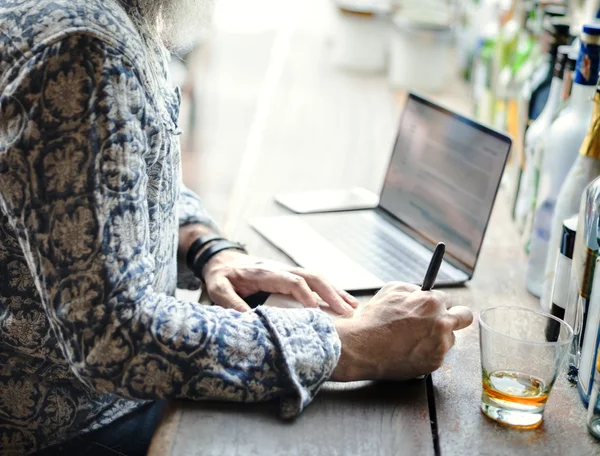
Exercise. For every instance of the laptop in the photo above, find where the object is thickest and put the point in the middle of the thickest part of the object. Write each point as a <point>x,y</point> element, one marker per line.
<point>440,186</point>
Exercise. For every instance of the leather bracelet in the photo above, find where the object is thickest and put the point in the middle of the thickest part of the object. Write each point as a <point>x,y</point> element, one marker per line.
<point>211,251</point>
<point>198,245</point>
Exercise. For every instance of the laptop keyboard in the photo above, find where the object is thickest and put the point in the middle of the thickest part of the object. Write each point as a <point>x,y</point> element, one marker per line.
<point>375,244</point>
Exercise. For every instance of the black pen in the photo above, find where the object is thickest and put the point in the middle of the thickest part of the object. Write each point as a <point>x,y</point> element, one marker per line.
<point>434,267</point>
<point>428,283</point>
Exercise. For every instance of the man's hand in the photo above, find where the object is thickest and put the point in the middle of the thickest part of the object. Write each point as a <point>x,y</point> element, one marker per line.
<point>401,333</point>
<point>231,276</point>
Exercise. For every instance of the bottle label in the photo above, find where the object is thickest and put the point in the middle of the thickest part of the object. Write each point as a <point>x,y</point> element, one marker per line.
<point>561,282</point>
<point>543,220</point>
<point>589,349</point>
<point>584,261</point>
<point>588,65</point>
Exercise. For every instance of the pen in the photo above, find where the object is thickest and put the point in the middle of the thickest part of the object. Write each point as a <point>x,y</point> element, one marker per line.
<point>428,283</point>
<point>434,267</point>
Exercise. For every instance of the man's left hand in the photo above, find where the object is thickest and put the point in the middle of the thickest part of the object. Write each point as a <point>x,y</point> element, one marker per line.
<point>231,276</point>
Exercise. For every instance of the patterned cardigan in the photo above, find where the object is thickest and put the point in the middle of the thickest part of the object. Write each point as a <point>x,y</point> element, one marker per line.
<point>90,206</point>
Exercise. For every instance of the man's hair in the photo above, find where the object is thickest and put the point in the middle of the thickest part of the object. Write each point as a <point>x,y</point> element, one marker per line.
<point>167,26</point>
<point>175,23</point>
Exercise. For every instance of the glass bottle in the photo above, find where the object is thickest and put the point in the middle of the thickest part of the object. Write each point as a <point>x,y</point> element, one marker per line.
<point>562,275</point>
<point>583,270</point>
<point>557,31</point>
<point>593,416</point>
<point>564,173</point>
<point>589,334</point>
<point>535,148</point>
<point>559,35</point>
<point>531,75</point>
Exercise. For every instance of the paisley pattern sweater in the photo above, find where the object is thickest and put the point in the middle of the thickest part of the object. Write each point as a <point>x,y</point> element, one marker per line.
<point>90,207</point>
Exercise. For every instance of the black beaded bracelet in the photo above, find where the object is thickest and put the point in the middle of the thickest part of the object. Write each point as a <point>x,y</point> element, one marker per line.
<point>211,251</point>
<point>198,245</point>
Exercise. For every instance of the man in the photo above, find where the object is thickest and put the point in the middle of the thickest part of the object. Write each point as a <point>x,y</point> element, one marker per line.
<point>92,223</point>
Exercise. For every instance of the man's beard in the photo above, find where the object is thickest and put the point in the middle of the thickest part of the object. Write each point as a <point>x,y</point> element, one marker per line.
<point>177,24</point>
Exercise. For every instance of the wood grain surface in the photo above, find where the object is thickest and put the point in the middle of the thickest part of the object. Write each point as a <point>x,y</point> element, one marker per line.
<point>355,418</point>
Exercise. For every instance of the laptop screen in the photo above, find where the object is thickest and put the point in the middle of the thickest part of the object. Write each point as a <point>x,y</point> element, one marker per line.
<point>443,177</point>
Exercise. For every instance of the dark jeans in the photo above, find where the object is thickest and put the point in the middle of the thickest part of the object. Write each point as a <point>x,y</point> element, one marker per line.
<point>130,435</point>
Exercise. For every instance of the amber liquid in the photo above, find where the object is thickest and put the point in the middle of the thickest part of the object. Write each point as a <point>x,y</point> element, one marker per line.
<point>522,390</point>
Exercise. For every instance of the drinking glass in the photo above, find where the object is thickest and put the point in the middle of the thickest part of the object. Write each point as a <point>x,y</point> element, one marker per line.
<point>522,351</point>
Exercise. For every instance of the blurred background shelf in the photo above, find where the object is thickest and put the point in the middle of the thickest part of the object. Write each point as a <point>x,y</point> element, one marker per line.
<point>269,67</point>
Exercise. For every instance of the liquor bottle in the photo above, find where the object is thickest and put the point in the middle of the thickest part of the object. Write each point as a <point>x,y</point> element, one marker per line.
<point>583,269</point>
<point>593,416</point>
<point>562,276</point>
<point>559,35</point>
<point>534,148</point>
<point>557,30</point>
<point>531,76</point>
<point>560,192</point>
<point>589,335</point>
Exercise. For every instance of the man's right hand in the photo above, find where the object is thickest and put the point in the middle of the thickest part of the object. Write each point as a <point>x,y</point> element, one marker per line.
<point>401,333</point>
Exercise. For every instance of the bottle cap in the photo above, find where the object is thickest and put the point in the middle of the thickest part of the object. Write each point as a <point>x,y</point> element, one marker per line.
<point>559,26</point>
<point>567,243</point>
<point>558,33</point>
<point>555,10</point>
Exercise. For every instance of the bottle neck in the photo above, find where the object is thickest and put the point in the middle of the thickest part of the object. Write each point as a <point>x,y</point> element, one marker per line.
<point>553,99</point>
<point>551,59</point>
<point>591,143</point>
<point>567,85</point>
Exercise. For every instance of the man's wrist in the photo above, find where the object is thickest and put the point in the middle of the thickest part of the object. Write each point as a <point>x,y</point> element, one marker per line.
<point>213,249</point>
<point>351,366</point>
<point>221,259</point>
<point>188,235</point>
<point>199,246</point>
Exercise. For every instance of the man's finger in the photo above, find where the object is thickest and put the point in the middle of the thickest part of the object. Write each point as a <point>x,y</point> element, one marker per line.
<point>284,282</point>
<point>347,297</point>
<point>327,292</point>
<point>461,316</point>
<point>224,295</point>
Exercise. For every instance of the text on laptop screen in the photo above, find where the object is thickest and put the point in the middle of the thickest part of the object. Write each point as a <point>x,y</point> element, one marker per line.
<point>443,177</point>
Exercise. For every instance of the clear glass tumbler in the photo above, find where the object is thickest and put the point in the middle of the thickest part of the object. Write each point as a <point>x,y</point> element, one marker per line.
<point>522,351</point>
